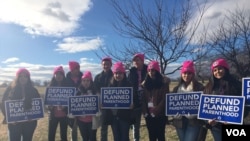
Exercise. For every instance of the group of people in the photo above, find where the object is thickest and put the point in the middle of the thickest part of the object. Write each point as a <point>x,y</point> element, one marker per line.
<point>149,99</point>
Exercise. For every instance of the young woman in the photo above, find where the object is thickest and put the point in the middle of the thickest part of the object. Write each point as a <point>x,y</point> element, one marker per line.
<point>73,78</point>
<point>21,88</point>
<point>153,102</point>
<point>58,114</point>
<point>136,75</point>
<point>221,83</point>
<point>189,128</point>
<point>119,119</point>
<point>87,124</point>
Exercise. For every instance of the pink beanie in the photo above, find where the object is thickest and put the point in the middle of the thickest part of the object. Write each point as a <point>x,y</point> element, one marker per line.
<point>219,62</point>
<point>118,67</point>
<point>107,59</point>
<point>153,65</point>
<point>139,55</point>
<point>73,65</point>
<point>21,70</point>
<point>58,69</point>
<point>188,66</point>
<point>87,74</point>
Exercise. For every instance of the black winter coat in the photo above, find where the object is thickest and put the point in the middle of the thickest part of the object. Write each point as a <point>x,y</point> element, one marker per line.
<point>15,94</point>
<point>123,114</point>
<point>133,79</point>
<point>102,80</point>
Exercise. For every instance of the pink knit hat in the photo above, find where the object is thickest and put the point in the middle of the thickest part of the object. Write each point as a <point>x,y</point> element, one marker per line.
<point>118,67</point>
<point>188,66</point>
<point>73,65</point>
<point>139,55</point>
<point>21,70</point>
<point>58,69</point>
<point>219,62</point>
<point>107,59</point>
<point>153,65</point>
<point>87,74</point>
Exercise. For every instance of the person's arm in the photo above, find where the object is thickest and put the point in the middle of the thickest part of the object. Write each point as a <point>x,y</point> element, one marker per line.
<point>97,84</point>
<point>160,106</point>
<point>144,102</point>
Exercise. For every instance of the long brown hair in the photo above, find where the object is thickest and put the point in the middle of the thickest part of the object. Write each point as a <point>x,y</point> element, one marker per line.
<point>16,83</point>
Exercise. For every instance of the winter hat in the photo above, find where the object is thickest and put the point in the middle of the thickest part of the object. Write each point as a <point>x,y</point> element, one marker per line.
<point>87,74</point>
<point>21,70</point>
<point>219,62</point>
<point>118,67</point>
<point>58,69</point>
<point>188,66</point>
<point>153,65</point>
<point>73,65</point>
<point>107,59</point>
<point>139,55</point>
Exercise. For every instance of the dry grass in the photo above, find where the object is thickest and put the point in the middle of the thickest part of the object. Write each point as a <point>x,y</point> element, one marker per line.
<point>41,132</point>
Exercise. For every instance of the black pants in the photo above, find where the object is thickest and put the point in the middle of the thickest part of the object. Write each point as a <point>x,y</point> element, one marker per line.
<point>53,123</point>
<point>156,128</point>
<point>87,133</point>
<point>24,130</point>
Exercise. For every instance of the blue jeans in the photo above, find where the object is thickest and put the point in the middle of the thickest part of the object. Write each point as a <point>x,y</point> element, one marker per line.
<point>120,129</point>
<point>189,133</point>
<point>191,130</point>
<point>216,132</point>
<point>22,131</point>
<point>136,126</point>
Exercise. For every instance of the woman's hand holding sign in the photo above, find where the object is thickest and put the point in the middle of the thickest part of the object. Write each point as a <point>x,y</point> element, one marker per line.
<point>212,122</point>
<point>188,116</point>
<point>177,116</point>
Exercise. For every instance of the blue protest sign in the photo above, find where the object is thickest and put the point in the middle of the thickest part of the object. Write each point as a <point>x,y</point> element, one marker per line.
<point>182,103</point>
<point>116,97</point>
<point>83,105</point>
<point>223,108</point>
<point>59,95</point>
<point>246,90</point>
<point>15,111</point>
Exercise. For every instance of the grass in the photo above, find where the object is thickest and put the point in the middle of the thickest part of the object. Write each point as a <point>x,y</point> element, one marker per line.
<point>41,132</point>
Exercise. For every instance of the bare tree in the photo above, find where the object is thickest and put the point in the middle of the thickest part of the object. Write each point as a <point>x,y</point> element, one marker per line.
<point>232,41</point>
<point>162,32</point>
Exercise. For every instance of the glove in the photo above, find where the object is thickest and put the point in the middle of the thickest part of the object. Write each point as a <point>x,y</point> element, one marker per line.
<point>71,116</point>
<point>212,122</point>
<point>188,116</point>
<point>177,116</point>
<point>98,114</point>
